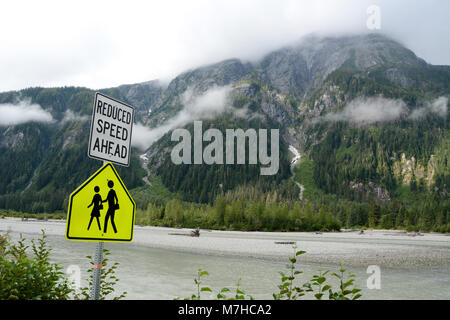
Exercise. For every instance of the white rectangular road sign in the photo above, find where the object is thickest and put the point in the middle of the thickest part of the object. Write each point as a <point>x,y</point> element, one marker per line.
<point>111,128</point>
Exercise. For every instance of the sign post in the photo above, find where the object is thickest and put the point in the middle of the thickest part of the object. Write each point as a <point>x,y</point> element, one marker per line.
<point>98,265</point>
<point>110,141</point>
<point>97,272</point>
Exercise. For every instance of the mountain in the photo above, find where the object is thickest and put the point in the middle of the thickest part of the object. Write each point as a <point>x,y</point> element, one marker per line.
<point>41,162</point>
<point>301,68</point>
<point>294,88</point>
<point>141,96</point>
<point>368,116</point>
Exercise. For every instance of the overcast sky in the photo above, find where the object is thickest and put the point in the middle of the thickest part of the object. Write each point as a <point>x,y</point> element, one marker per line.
<point>101,44</point>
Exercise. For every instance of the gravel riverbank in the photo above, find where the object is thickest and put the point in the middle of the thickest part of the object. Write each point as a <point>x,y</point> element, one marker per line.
<point>381,247</point>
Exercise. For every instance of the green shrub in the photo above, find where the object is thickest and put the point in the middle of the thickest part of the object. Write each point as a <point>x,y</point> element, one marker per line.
<point>289,288</point>
<point>30,277</point>
<point>34,277</point>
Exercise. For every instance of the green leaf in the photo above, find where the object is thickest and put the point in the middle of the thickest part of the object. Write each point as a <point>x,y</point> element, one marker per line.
<point>346,292</point>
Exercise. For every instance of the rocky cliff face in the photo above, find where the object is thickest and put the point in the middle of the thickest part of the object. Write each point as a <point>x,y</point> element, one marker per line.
<point>142,96</point>
<point>406,169</point>
<point>370,190</point>
<point>300,68</point>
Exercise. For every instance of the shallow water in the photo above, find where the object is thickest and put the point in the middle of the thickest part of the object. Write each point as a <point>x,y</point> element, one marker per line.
<point>149,273</point>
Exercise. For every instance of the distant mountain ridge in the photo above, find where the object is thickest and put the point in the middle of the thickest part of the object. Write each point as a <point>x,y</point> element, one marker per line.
<point>287,89</point>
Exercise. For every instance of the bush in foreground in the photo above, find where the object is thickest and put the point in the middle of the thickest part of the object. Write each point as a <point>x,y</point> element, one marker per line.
<point>33,276</point>
<point>289,288</point>
<point>30,277</point>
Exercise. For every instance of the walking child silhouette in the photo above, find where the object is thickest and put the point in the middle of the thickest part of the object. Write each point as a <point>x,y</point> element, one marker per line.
<point>95,213</point>
<point>113,205</point>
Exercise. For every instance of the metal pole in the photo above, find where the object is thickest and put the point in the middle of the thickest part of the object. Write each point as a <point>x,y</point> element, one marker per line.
<point>97,272</point>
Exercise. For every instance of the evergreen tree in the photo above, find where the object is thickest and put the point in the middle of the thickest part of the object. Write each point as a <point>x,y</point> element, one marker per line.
<point>374,214</point>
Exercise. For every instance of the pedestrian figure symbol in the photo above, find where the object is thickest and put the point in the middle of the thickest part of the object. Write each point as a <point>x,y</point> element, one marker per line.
<point>94,214</point>
<point>97,202</point>
<point>113,205</point>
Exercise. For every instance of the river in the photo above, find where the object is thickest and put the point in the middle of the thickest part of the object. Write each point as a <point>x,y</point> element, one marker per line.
<point>158,265</point>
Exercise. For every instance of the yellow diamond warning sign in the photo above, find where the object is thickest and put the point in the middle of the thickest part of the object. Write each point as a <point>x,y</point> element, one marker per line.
<point>101,209</point>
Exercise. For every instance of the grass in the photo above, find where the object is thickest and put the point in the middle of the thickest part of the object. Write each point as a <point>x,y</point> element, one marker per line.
<point>156,193</point>
<point>40,216</point>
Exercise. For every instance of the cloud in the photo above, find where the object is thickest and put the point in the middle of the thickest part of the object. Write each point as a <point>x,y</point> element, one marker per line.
<point>204,106</point>
<point>69,116</point>
<point>438,106</point>
<point>144,136</point>
<point>196,107</point>
<point>378,109</point>
<point>369,110</point>
<point>22,112</point>
<point>55,43</point>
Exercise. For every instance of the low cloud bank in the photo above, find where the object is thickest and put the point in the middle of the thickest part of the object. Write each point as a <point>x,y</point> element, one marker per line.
<point>196,107</point>
<point>438,106</point>
<point>369,110</point>
<point>379,109</point>
<point>22,112</point>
